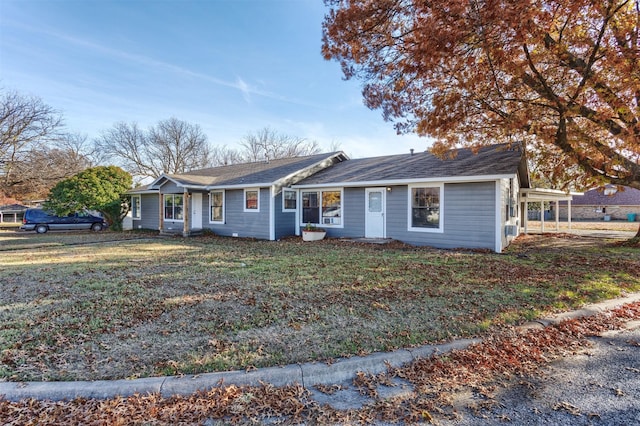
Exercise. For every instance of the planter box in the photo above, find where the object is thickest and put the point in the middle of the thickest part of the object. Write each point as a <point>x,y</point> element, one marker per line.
<point>313,235</point>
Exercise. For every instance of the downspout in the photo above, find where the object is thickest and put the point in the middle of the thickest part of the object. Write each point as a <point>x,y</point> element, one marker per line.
<point>160,212</point>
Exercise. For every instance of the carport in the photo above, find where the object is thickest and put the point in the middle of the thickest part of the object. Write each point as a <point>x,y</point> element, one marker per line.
<point>539,195</point>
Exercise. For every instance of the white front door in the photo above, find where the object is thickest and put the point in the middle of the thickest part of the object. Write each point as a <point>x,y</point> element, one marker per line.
<point>374,213</point>
<point>196,210</point>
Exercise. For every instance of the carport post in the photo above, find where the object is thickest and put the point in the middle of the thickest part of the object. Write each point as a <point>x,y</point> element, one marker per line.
<point>557,215</point>
<point>542,217</point>
<point>569,212</point>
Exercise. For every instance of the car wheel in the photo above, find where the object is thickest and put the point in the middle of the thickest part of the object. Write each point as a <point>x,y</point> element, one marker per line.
<point>41,229</point>
<point>96,227</point>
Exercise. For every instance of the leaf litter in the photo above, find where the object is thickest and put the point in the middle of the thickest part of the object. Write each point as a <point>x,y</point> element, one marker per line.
<point>503,357</point>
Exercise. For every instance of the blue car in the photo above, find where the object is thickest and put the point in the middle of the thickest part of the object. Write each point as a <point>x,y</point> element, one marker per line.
<point>42,221</point>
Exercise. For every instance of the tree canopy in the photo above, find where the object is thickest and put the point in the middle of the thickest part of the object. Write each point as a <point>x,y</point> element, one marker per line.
<point>562,76</point>
<point>99,188</point>
<point>171,146</point>
<point>34,153</point>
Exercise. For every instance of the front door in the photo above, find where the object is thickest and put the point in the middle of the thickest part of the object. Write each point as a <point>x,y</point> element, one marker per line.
<point>196,210</point>
<point>374,213</point>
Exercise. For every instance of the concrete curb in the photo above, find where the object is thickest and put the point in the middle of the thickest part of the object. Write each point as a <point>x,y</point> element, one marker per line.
<point>308,374</point>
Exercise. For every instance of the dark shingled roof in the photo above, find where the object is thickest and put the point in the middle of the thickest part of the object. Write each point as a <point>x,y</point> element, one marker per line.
<point>597,197</point>
<point>251,173</point>
<point>488,161</point>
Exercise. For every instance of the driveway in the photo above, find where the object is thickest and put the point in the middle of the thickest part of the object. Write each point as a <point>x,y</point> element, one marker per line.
<point>598,386</point>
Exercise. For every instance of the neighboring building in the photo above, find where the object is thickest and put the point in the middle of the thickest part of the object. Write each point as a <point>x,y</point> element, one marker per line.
<point>605,203</point>
<point>12,213</point>
<point>471,200</point>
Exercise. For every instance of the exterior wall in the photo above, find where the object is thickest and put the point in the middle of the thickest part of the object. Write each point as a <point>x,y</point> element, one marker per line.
<point>285,222</point>
<point>468,211</point>
<point>352,215</point>
<point>171,226</point>
<point>595,212</point>
<point>239,223</point>
<point>149,211</point>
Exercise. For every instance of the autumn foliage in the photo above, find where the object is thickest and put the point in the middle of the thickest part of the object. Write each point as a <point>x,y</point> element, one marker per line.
<point>561,75</point>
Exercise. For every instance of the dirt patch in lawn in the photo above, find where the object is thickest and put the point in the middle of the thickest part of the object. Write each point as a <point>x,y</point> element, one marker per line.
<point>171,306</point>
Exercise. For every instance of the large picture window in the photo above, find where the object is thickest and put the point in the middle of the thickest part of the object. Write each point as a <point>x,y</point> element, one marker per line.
<point>135,207</point>
<point>216,199</point>
<point>425,208</point>
<point>173,206</point>
<point>251,200</point>
<point>322,207</point>
<point>289,200</point>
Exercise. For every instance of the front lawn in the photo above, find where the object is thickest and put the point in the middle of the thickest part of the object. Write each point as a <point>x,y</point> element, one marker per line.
<point>144,307</point>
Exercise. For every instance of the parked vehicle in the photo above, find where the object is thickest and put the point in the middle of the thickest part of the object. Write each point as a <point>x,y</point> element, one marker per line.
<point>42,221</point>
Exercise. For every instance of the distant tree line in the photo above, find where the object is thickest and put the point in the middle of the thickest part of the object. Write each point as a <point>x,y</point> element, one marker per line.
<point>36,151</point>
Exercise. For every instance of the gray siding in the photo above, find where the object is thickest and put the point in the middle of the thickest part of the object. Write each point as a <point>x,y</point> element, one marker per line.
<point>285,221</point>
<point>244,224</point>
<point>172,226</point>
<point>469,216</point>
<point>171,188</point>
<point>352,215</point>
<point>149,211</point>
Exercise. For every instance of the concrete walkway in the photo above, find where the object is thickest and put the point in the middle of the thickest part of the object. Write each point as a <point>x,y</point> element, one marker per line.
<point>342,371</point>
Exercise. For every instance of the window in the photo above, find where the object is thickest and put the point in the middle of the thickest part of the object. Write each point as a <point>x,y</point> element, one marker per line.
<point>310,207</point>
<point>424,208</point>
<point>173,205</point>
<point>289,200</point>
<point>251,200</point>
<point>135,206</point>
<point>322,207</point>
<point>216,198</point>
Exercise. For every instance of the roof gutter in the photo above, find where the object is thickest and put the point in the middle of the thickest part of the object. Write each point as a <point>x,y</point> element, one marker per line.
<point>387,182</point>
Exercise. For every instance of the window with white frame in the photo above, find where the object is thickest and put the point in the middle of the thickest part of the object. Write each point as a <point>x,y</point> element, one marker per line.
<point>425,203</point>
<point>173,206</point>
<point>135,207</point>
<point>289,200</point>
<point>216,200</point>
<point>252,200</point>
<point>322,207</point>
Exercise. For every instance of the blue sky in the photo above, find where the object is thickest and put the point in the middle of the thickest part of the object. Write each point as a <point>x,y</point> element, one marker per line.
<point>232,67</point>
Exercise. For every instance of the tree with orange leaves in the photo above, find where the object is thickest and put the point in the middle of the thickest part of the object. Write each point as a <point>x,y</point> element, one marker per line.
<point>562,76</point>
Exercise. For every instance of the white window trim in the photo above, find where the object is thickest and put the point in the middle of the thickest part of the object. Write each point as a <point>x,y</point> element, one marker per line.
<point>164,207</point>
<point>139,204</point>
<point>244,200</point>
<point>224,203</point>
<point>440,228</point>
<point>320,191</point>
<point>284,209</point>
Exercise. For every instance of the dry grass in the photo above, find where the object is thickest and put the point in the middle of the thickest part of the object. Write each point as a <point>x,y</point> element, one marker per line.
<point>136,308</point>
